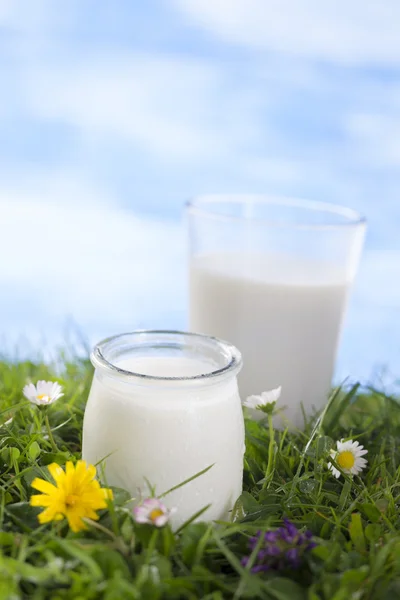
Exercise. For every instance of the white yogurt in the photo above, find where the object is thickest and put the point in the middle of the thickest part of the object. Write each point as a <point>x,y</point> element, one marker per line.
<point>167,431</point>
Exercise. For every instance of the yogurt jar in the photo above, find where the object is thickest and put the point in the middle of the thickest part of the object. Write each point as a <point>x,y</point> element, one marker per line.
<point>163,406</point>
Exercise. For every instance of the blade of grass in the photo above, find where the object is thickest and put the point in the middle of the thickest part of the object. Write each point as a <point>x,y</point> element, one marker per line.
<point>176,487</point>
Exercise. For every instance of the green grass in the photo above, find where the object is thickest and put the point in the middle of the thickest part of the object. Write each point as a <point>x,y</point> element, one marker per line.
<point>355,522</point>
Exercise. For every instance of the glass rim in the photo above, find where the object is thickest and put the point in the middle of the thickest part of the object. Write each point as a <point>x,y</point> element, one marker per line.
<point>199,205</point>
<point>234,357</point>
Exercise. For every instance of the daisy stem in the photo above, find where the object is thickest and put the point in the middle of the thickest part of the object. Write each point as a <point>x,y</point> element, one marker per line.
<point>344,495</point>
<point>268,472</point>
<point>52,442</point>
<point>152,545</point>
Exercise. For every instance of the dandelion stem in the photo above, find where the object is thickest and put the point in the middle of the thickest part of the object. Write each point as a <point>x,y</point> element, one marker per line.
<point>100,527</point>
<point>52,442</point>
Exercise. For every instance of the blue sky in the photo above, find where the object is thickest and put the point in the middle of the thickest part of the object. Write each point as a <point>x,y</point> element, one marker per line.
<point>113,114</point>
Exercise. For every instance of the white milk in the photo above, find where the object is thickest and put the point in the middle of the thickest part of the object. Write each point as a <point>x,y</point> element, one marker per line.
<point>167,433</point>
<point>283,314</point>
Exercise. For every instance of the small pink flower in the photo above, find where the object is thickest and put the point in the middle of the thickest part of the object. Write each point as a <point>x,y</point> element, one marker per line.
<point>153,512</point>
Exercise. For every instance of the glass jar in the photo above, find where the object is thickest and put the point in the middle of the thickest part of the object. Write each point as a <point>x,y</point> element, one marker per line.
<point>163,406</point>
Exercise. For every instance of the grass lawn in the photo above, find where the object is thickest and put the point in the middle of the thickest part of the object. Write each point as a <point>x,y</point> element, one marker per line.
<point>353,553</point>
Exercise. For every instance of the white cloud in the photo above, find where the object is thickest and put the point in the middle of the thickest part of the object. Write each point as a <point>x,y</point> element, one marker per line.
<point>356,32</point>
<point>6,10</point>
<point>273,170</point>
<point>377,136</point>
<point>103,265</point>
<point>58,186</point>
<point>168,106</point>
<point>23,16</point>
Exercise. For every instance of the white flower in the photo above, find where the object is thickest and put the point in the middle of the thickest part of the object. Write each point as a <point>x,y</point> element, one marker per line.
<point>43,393</point>
<point>264,399</point>
<point>348,455</point>
<point>153,512</point>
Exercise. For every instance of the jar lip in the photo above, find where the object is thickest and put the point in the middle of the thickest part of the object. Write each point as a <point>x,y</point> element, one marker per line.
<point>232,354</point>
<point>204,206</point>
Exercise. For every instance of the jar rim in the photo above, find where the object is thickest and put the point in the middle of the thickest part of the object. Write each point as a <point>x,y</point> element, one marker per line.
<point>204,206</point>
<point>162,339</point>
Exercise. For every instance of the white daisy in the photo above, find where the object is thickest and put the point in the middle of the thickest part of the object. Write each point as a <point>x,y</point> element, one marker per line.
<point>43,393</point>
<point>153,512</point>
<point>263,400</point>
<point>348,455</point>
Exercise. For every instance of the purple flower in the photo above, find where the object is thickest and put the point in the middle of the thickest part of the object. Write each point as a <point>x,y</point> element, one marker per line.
<point>291,529</point>
<point>280,549</point>
<point>260,569</point>
<point>293,557</point>
<point>271,536</point>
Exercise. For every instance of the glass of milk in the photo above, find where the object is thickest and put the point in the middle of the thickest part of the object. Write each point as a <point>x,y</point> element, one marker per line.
<point>272,276</point>
<point>163,406</point>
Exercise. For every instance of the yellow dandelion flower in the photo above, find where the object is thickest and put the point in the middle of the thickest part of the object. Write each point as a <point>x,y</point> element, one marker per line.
<point>75,495</point>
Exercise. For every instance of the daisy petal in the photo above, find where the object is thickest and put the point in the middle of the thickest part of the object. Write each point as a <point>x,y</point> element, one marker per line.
<point>161,520</point>
<point>153,512</point>
<point>348,455</point>
<point>29,391</point>
<point>271,395</point>
<point>252,401</point>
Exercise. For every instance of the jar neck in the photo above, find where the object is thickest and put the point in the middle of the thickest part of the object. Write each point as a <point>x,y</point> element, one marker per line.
<point>166,359</point>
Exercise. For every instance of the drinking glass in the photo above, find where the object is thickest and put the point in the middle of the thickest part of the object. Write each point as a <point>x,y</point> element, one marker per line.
<point>272,275</point>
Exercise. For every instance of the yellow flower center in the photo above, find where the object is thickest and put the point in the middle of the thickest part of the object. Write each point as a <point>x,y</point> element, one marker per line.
<point>43,397</point>
<point>346,459</point>
<point>155,514</point>
<point>71,500</point>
